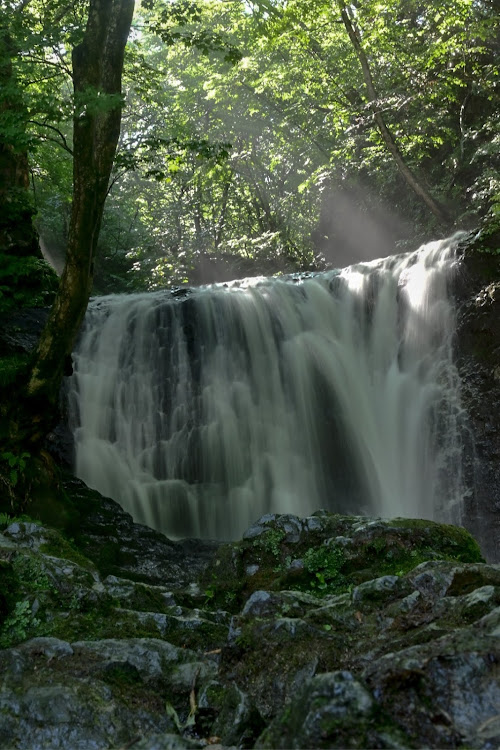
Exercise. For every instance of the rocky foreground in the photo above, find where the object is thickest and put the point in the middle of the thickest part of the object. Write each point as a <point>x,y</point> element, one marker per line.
<point>324,632</point>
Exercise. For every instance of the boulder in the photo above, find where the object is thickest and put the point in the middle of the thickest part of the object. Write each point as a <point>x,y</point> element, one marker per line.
<point>328,631</point>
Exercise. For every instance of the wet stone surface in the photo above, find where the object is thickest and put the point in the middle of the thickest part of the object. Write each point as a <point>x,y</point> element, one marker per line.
<point>329,631</point>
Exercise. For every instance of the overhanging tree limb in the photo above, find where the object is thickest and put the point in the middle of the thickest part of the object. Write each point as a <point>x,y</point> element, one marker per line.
<point>61,141</point>
<point>389,140</point>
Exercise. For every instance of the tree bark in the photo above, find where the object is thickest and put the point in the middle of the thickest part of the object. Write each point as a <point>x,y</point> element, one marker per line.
<point>439,211</point>
<point>17,233</point>
<point>221,222</point>
<point>97,73</point>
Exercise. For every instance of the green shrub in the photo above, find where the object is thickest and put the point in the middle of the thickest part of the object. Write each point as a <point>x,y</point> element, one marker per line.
<point>324,564</point>
<point>17,624</point>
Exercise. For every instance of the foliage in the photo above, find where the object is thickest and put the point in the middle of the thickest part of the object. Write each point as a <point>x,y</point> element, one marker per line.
<point>16,626</point>
<point>181,726</point>
<point>29,483</point>
<point>6,520</point>
<point>180,22</point>
<point>270,542</point>
<point>25,282</point>
<point>247,128</point>
<point>325,564</point>
<point>16,464</point>
<point>295,112</point>
<point>15,480</point>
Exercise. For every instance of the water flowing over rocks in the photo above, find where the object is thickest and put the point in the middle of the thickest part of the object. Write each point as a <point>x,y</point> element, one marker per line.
<point>334,390</point>
<point>328,631</point>
<point>476,346</point>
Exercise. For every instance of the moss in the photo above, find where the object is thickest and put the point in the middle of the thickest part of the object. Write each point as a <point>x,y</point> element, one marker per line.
<point>227,584</point>
<point>122,674</point>
<point>13,368</point>
<point>269,542</point>
<point>31,573</point>
<point>19,625</point>
<point>95,625</point>
<point>57,546</point>
<point>445,541</point>
<point>53,507</point>
<point>102,619</point>
<point>9,585</point>
<point>327,730</point>
<point>324,566</point>
<point>386,548</point>
<point>25,282</point>
<point>224,581</point>
<point>403,543</point>
<point>204,637</point>
<point>145,599</point>
<point>123,679</point>
<point>106,557</point>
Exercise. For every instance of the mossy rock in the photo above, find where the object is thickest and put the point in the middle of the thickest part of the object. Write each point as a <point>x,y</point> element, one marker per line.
<point>332,710</point>
<point>328,553</point>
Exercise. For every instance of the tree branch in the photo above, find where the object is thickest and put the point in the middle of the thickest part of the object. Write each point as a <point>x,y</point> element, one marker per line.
<point>62,143</point>
<point>353,32</point>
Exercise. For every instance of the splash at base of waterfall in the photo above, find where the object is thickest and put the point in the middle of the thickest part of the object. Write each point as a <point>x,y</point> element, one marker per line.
<point>200,414</point>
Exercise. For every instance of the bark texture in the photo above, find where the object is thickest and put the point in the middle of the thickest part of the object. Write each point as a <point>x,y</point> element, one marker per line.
<point>97,75</point>
<point>17,234</point>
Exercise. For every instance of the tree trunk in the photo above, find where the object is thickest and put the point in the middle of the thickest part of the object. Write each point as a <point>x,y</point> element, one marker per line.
<point>97,74</point>
<point>389,140</point>
<point>221,222</point>
<point>17,234</point>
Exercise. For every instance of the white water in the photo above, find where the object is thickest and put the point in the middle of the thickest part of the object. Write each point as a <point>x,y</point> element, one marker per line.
<point>338,391</point>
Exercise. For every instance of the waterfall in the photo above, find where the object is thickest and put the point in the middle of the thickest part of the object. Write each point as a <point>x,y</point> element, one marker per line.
<point>201,411</point>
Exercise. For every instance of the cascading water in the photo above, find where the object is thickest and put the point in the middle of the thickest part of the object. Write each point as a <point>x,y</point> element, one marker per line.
<point>202,412</point>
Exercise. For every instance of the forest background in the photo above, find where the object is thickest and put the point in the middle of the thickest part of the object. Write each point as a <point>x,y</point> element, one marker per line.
<point>189,141</point>
<point>223,138</point>
<point>250,141</point>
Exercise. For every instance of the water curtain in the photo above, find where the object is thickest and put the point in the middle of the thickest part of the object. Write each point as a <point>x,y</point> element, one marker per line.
<point>201,411</point>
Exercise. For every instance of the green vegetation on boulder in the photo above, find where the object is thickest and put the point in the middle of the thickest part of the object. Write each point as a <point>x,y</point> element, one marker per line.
<point>342,634</point>
<point>329,553</point>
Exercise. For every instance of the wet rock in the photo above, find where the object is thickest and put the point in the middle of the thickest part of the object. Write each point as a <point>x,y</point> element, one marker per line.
<point>140,595</point>
<point>260,526</point>
<point>491,622</point>
<point>442,691</point>
<point>384,635</point>
<point>52,648</point>
<point>168,742</point>
<point>70,713</point>
<point>20,330</point>
<point>230,714</point>
<point>477,344</point>
<point>259,604</point>
<point>432,579</point>
<point>380,589</point>
<point>338,552</point>
<point>479,602</point>
<point>108,536</point>
<point>332,710</point>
